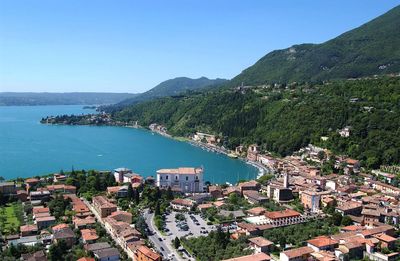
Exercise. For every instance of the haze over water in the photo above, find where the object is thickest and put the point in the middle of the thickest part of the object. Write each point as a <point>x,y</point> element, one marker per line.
<point>28,148</point>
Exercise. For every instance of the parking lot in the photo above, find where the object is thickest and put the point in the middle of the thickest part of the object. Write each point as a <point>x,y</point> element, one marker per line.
<point>193,225</point>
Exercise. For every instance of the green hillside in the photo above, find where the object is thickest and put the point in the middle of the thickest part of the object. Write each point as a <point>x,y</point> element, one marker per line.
<point>284,119</point>
<point>373,48</point>
<point>173,87</point>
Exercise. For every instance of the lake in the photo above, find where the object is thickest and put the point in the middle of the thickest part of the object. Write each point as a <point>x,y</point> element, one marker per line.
<point>28,148</point>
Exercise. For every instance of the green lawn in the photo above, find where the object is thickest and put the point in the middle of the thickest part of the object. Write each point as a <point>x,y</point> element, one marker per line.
<point>10,218</point>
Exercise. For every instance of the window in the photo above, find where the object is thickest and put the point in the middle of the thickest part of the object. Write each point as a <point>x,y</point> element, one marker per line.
<point>166,177</point>
<point>197,178</point>
<point>176,177</point>
<point>187,178</point>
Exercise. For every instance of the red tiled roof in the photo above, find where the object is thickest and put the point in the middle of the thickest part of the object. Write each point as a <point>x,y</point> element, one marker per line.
<point>297,252</point>
<point>253,257</point>
<point>322,241</point>
<point>282,214</point>
<point>148,253</point>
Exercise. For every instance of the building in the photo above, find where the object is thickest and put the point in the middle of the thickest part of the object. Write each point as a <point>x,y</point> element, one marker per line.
<point>43,195</point>
<point>143,253</point>
<point>89,236</point>
<point>28,230</point>
<point>311,200</point>
<point>297,254</point>
<point>7,188</point>
<point>253,257</point>
<point>249,185</point>
<point>188,180</point>
<point>284,217</point>
<point>122,216</point>
<point>118,191</point>
<point>350,208</point>
<point>107,254</point>
<point>44,222</point>
<point>254,197</point>
<point>103,206</point>
<point>252,152</point>
<point>181,204</point>
<point>260,245</point>
<point>65,234</point>
<point>322,243</point>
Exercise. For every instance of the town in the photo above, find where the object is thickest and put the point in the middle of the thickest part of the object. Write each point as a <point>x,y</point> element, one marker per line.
<point>312,205</point>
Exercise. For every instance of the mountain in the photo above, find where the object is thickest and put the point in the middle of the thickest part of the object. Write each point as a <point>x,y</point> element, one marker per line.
<point>71,98</point>
<point>173,87</point>
<point>373,48</point>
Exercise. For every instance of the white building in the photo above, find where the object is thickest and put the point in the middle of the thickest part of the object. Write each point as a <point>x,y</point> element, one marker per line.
<point>188,180</point>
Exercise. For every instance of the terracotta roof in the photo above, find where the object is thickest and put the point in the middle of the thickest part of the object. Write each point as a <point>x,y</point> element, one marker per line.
<point>37,210</point>
<point>260,241</point>
<point>31,180</point>
<point>49,218</point>
<point>297,252</point>
<point>28,228</point>
<point>256,211</point>
<point>89,234</point>
<point>253,257</point>
<point>148,253</point>
<point>205,206</point>
<point>376,230</point>
<point>322,241</point>
<point>352,228</point>
<point>183,202</point>
<point>181,171</point>
<point>60,226</point>
<point>385,238</point>
<point>282,214</point>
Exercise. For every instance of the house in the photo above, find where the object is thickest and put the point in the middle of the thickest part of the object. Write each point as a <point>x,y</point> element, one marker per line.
<point>58,177</point>
<point>122,216</point>
<point>65,234</point>
<point>386,241</point>
<point>189,180</point>
<point>257,211</point>
<point>181,204</point>
<point>143,253</point>
<point>297,254</point>
<point>371,216</point>
<point>253,257</point>
<point>36,256</point>
<point>107,254</point>
<point>26,241</point>
<point>215,191</point>
<point>249,185</point>
<point>31,183</point>
<point>251,229</point>
<point>311,200</point>
<point>22,195</point>
<point>254,197</point>
<point>322,243</point>
<point>96,246</point>
<point>44,222</point>
<point>86,222</point>
<point>260,245</point>
<point>89,236</point>
<point>28,230</point>
<point>205,206</point>
<point>350,208</point>
<point>103,206</point>
<point>118,191</point>
<point>61,188</point>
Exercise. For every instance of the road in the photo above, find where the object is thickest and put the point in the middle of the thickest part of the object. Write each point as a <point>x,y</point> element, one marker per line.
<point>99,219</point>
<point>166,243</point>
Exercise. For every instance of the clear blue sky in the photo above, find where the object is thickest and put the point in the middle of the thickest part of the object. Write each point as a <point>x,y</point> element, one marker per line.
<point>130,46</point>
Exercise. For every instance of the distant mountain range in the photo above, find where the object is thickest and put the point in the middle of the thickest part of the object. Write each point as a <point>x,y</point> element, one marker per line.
<point>373,48</point>
<point>173,87</point>
<point>72,98</point>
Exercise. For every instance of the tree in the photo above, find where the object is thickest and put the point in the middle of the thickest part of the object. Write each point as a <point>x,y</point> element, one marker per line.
<point>346,221</point>
<point>137,196</point>
<point>57,251</point>
<point>130,192</point>
<point>170,195</point>
<point>177,243</point>
<point>157,211</point>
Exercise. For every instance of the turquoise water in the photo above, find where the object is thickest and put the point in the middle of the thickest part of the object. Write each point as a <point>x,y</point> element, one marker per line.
<point>28,148</point>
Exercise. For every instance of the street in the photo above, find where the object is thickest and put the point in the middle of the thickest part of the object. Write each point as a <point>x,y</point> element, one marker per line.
<point>165,244</point>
